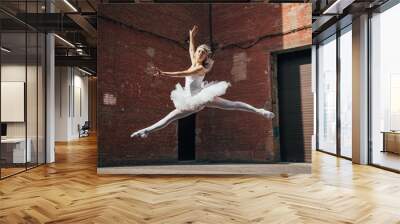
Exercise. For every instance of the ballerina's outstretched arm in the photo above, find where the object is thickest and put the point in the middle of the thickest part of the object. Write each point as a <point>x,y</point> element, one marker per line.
<point>194,70</point>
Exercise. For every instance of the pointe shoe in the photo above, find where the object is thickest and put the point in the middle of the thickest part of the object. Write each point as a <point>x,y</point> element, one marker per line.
<point>140,133</point>
<point>267,114</point>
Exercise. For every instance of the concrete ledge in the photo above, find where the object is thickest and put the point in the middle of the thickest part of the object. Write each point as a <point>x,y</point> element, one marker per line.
<point>218,169</point>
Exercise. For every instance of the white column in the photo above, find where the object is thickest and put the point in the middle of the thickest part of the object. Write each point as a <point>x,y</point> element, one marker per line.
<point>50,93</point>
<point>360,90</point>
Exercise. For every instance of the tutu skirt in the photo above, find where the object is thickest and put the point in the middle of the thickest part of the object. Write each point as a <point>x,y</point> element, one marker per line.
<point>185,100</point>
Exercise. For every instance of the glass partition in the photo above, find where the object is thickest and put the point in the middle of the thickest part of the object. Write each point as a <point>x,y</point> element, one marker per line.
<point>14,145</point>
<point>346,92</point>
<point>41,109</point>
<point>31,100</point>
<point>327,95</point>
<point>385,89</point>
<point>22,88</point>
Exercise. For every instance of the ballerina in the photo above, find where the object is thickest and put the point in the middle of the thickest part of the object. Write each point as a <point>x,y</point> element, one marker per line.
<point>197,94</point>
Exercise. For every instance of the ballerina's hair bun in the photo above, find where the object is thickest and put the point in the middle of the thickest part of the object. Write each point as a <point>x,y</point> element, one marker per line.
<point>206,48</point>
<point>208,64</point>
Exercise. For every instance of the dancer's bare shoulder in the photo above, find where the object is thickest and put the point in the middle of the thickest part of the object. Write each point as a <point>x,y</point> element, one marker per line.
<point>198,69</point>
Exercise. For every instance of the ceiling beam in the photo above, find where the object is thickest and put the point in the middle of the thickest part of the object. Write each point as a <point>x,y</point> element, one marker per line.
<point>84,24</point>
<point>82,61</point>
<point>337,7</point>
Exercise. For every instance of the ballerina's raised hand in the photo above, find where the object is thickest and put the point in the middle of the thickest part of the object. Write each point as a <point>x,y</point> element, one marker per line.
<point>194,31</point>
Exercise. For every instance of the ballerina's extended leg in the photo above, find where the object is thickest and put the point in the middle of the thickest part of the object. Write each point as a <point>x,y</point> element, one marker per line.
<point>172,116</point>
<point>225,104</point>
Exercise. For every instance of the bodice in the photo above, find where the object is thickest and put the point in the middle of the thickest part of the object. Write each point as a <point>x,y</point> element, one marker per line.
<point>193,83</point>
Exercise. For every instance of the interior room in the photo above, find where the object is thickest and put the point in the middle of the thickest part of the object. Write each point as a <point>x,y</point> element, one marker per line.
<point>385,73</point>
<point>337,85</point>
<point>22,102</point>
<point>25,67</point>
<point>78,77</point>
<point>71,100</point>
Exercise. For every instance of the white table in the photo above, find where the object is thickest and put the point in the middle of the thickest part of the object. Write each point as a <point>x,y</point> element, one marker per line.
<point>19,153</point>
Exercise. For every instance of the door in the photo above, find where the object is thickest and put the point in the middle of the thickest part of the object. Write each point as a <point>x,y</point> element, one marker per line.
<point>295,106</point>
<point>186,138</point>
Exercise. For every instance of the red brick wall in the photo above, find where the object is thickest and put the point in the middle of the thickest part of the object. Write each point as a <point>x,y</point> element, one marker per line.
<point>124,55</point>
<point>236,135</point>
<point>125,52</point>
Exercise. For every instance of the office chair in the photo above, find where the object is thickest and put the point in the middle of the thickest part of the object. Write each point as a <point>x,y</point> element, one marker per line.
<point>84,130</point>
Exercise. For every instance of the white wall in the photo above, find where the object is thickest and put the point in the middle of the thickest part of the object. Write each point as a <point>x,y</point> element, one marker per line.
<point>80,110</point>
<point>33,127</point>
<point>71,94</point>
<point>62,81</point>
<point>16,72</point>
<point>9,73</point>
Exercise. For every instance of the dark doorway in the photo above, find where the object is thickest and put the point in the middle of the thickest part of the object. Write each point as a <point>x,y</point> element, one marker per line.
<point>295,106</point>
<point>186,138</point>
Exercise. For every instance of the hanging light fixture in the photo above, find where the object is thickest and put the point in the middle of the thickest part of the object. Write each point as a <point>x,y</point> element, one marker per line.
<point>64,40</point>
<point>70,5</point>
<point>5,50</point>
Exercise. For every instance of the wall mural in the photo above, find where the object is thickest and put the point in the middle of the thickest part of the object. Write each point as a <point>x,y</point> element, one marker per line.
<point>221,62</point>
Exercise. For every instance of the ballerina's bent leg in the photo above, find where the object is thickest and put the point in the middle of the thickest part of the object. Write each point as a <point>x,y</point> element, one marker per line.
<point>172,116</point>
<point>225,104</point>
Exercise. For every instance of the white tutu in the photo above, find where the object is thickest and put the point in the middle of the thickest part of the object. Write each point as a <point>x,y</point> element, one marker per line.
<point>184,100</point>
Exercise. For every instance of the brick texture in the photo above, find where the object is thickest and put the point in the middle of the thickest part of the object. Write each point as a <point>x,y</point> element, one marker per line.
<point>134,37</point>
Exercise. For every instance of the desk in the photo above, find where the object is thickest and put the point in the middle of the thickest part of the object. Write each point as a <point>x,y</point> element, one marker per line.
<point>18,149</point>
<point>391,141</point>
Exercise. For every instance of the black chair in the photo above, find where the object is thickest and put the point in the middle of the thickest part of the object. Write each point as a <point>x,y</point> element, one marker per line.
<point>84,130</point>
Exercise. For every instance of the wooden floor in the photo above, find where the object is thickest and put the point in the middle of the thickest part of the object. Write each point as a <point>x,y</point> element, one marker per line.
<point>70,191</point>
<point>10,171</point>
<point>386,159</point>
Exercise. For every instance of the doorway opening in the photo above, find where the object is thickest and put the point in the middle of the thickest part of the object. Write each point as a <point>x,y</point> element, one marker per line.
<point>187,138</point>
<point>295,105</point>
